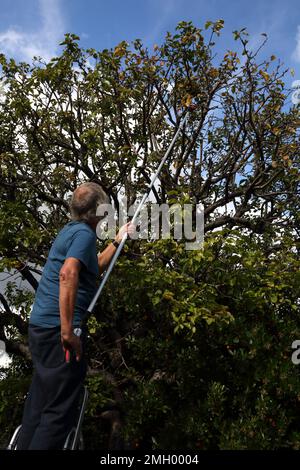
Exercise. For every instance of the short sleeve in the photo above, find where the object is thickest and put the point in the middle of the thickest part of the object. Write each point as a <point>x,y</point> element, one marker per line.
<point>82,247</point>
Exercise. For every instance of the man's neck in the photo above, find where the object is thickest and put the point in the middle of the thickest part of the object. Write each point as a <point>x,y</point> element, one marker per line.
<point>93,225</point>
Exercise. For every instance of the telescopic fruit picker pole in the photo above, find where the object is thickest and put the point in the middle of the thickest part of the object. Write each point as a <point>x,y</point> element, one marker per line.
<point>151,184</point>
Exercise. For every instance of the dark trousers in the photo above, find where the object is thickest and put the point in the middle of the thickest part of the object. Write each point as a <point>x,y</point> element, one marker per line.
<point>51,405</point>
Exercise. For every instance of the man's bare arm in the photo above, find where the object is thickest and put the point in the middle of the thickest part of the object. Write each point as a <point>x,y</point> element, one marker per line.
<point>68,285</point>
<point>104,258</point>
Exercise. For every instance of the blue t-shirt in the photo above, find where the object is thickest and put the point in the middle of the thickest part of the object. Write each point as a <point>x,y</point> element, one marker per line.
<point>77,240</point>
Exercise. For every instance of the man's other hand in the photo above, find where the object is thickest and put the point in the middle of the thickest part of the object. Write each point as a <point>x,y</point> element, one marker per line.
<point>72,343</point>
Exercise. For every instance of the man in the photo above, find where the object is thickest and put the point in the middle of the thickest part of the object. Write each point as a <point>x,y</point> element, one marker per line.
<point>66,289</point>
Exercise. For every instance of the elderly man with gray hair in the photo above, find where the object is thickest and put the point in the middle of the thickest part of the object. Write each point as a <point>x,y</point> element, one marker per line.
<point>67,286</point>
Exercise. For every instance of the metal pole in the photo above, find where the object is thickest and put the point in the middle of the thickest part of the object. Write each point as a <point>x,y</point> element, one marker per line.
<point>143,200</point>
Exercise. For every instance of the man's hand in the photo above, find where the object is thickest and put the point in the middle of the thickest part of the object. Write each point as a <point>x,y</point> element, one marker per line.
<point>72,343</point>
<point>104,258</point>
<point>129,228</point>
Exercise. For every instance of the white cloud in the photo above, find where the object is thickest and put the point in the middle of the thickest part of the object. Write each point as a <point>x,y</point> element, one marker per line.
<point>5,360</point>
<point>296,53</point>
<point>43,41</point>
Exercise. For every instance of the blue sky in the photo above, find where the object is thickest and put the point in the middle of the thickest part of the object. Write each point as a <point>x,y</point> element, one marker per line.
<point>37,26</point>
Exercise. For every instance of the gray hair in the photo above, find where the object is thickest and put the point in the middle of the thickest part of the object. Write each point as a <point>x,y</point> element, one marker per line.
<point>84,201</point>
